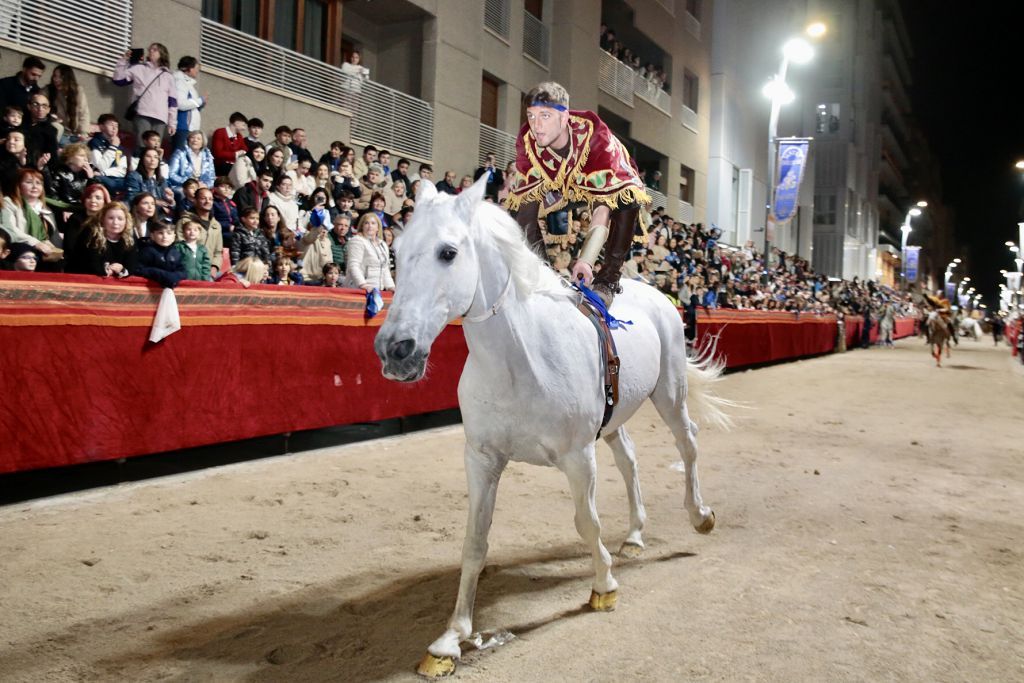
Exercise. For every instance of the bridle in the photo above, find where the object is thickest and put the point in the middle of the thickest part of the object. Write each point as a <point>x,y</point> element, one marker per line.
<point>494,308</point>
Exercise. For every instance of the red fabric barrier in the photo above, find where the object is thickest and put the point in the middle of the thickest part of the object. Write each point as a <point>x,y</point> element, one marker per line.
<point>905,327</point>
<point>82,382</point>
<point>752,337</point>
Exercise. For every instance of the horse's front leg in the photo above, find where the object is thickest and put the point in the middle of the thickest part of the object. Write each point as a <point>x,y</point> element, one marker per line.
<point>482,475</point>
<point>581,470</point>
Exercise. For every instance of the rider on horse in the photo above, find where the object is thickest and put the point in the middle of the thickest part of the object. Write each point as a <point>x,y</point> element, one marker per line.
<point>565,156</point>
<point>940,304</point>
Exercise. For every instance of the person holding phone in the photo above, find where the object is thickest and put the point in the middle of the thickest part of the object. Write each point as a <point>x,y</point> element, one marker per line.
<point>154,91</point>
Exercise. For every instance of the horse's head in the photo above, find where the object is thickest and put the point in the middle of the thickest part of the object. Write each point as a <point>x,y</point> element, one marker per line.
<point>437,277</point>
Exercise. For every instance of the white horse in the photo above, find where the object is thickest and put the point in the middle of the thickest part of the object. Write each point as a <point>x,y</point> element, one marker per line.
<point>969,327</point>
<point>532,388</point>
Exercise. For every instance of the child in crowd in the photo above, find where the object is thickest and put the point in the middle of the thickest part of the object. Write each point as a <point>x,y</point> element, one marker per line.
<point>284,272</point>
<point>12,121</point>
<point>224,208</point>
<point>194,256</point>
<point>332,275</point>
<point>248,240</point>
<point>159,259</point>
<point>23,257</point>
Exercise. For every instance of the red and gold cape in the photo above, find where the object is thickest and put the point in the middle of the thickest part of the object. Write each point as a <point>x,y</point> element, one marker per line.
<point>597,169</point>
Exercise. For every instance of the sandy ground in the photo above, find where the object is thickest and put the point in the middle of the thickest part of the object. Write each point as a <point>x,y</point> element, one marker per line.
<point>869,529</point>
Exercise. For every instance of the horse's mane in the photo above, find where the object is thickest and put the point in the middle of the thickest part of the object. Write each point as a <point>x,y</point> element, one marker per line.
<point>530,273</point>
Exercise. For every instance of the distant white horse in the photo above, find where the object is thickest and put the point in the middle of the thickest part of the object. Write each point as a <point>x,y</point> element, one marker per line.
<point>970,327</point>
<point>532,388</point>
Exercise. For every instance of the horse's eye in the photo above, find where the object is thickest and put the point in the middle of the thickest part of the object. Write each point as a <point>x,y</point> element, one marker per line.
<point>448,254</point>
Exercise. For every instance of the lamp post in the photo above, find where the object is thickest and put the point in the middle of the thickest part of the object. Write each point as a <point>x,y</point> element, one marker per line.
<point>905,229</point>
<point>796,51</point>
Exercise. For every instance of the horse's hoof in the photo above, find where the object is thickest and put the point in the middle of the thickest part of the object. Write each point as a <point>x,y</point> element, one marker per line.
<point>707,525</point>
<point>436,667</point>
<point>603,602</point>
<point>631,551</point>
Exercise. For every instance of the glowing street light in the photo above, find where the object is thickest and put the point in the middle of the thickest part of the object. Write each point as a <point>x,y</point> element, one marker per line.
<point>905,229</point>
<point>817,29</point>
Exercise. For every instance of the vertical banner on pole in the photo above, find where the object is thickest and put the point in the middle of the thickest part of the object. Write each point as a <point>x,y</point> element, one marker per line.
<point>913,261</point>
<point>792,159</point>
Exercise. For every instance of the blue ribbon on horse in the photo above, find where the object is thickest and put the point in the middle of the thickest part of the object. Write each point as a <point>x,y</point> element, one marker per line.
<point>595,301</point>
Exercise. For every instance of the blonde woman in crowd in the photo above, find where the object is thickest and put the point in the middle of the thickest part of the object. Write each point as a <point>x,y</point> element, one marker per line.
<point>367,265</point>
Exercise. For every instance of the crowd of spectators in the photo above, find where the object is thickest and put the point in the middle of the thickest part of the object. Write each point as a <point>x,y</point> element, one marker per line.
<point>168,202</point>
<point>650,72</point>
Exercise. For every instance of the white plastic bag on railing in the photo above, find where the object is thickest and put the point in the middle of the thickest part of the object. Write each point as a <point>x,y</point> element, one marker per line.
<point>167,320</point>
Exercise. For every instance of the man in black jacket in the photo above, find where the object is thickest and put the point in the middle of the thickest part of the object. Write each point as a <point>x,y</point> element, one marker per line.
<point>495,178</point>
<point>17,89</point>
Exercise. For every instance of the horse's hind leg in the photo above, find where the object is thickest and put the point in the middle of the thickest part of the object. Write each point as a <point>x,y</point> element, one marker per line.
<point>625,459</point>
<point>672,409</point>
<point>581,470</point>
<point>482,474</point>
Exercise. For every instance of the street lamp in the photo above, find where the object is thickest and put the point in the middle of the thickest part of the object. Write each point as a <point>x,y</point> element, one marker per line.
<point>796,51</point>
<point>905,229</point>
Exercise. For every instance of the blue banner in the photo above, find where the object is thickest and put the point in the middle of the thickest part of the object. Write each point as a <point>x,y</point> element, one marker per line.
<point>913,261</point>
<point>791,162</point>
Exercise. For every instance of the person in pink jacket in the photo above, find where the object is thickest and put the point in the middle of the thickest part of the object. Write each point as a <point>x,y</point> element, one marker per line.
<point>153,90</point>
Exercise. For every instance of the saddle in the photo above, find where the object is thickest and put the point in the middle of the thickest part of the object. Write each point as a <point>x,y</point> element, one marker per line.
<point>593,309</point>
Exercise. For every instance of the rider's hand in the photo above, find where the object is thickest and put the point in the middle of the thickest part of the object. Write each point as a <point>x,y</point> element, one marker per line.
<point>583,271</point>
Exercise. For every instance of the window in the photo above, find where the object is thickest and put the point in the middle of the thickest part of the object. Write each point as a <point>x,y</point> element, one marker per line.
<point>489,101</point>
<point>497,17</point>
<point>693,8</point>
<point>686,184</point>
<point>312,27</point>
<point>691,90</point>
<point>825,209</point>
<point>827,120</point>
<point>534,7</point>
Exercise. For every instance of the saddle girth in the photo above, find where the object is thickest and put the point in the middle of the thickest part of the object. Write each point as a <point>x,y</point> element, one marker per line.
<point>609,360</point>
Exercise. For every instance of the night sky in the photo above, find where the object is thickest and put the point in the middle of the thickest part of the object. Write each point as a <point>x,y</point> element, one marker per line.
<point>966,94</point>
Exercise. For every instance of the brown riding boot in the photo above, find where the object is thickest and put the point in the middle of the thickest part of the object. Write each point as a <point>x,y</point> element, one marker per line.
<point>616,251</point>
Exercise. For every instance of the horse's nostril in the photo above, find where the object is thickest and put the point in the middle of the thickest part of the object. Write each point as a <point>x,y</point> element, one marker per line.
<point>401,350</point>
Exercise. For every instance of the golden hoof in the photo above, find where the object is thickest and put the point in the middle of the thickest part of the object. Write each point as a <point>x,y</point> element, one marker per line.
<point>436,667</point>
<point>631,551</point>
<point>603,602</point>
<point>707,525</point>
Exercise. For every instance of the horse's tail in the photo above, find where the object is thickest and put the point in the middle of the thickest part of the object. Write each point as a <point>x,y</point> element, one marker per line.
<point>703,372</point>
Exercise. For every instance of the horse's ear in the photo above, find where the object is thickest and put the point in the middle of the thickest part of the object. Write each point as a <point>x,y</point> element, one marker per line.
<point>468,199</point>
<point>425,191</point>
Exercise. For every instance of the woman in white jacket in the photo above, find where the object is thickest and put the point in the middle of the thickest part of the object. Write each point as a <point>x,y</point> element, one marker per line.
<point>367,265</point>
<point>190,102</point>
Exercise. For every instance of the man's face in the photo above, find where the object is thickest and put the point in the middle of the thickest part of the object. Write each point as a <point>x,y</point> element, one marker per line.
<point>39,107</point>
<point>403,168</point>
<point>31,76</point>
<point>284,138</point>
<point>240,127</point>
<point>373,177</point>
<point>15,142</point>
<point>384,159</point>
<point>299,138</point>
<point>546,124</point>
<point>255,131</point>
<point>489,161</point>
<point>265,182</point>
<point>370,155</point>
<point>426,173</point>
<point>109,129</point>
<point>449,177</point>
<point>342,227</point>
<point>204,200</point>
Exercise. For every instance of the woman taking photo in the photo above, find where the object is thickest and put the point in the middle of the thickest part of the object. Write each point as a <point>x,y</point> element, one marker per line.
<point>367,265</point>
<point>108,249</point>
<point>153,90</point>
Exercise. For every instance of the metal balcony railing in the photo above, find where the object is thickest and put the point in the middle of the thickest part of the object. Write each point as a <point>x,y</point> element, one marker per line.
<point>669,5</point>
<point>380,115</point>
<point>536,39</point>
<point>652,94</point>
<point>693,25</point>
<point>53,27</point>
<point>689,118</point>
<point>497,16</point>
<point>499,143</point>
<point>615,78</point>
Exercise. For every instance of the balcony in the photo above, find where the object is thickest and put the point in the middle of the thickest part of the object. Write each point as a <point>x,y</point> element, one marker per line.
<point>689,118</point>
<point>615,78</point>
<point>50,29</point>
<point>499,143</point>
<point>692,25</point>
<point>381,115</point>
<point>652,95</point>
<point>536,39</point>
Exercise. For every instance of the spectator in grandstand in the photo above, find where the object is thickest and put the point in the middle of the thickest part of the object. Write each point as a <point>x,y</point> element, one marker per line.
<point>26,217</point>
<point>304,182</point>
<point>464,184</point>
<point>190,102</point>
<point>194,255</point>
<point>316,249</point>
<point>298,146</point>
<point>401,220</point>
<point>41,136</point>
<point>282,197</point>
<point>13,119</point>
<point>282,141</point>
<point>213,235</point>
<point>363,164</point>
<point>321,175</point>
<point>353,72</point>
<point>106,154</point>
<point>285,273</point>
<point>346,206</point>
<point>384,159</point>
<point>401,172</point>
<point>17,89</point>
<point>248,241</point>
<point>448,184</point>
<point>64,185</point>
<point>331,275</point>
<point>22,258</point>
<point>333,156</point>
<point>69,105</point>
<point>192,161</point>
<point>252,140</point>
<point>5,249</point>
<point>345,182</point>
<point>247,167</point>
<point>426,172</point>
<point>150,140</point>
<point>154,92</point>
<point>509,176</point>
<point>495,178</point>
<point>224,208</point>
<point>367,265</point>
<point>94,198</point>
<point>370,183</point>
<point>144,215</point>
<point>187,201</point>
<point>147,178</point>
<point>229,143</point>
<point>108,249</point>
<point>377,205</point>
<point>158,259</point>
<point>341,228</point>
<point>256,193</point>
<point>13,157</point>
<point>276,161</point>
<point>272,226</point>
<point>247,272</point>
<point>394,197</point>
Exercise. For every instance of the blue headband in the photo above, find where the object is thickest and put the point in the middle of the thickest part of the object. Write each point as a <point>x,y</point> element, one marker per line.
<point>553,105</point>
